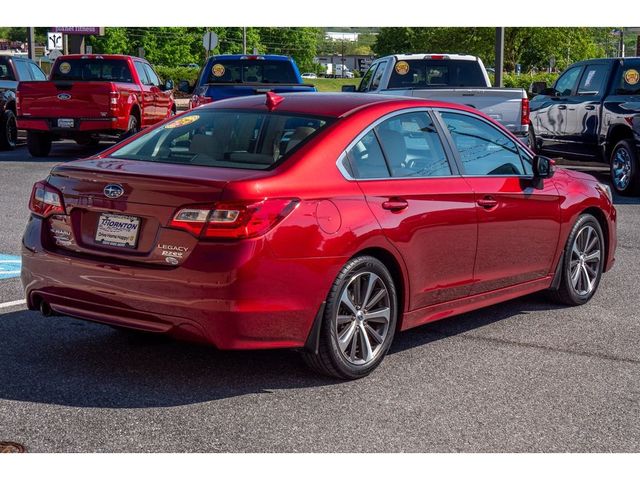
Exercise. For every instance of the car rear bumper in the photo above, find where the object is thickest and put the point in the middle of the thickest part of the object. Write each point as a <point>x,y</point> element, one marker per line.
<point>82,125</point>
<point>244,298</point>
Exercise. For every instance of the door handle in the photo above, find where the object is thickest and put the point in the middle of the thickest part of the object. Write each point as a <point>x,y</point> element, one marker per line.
<point>395,204</point>
<point>589,107</point>
<point>562,107</point>
<point>487,202</point>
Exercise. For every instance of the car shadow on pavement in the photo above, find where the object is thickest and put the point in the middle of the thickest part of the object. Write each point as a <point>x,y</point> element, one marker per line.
<point>65,361</point>
<point>65,151</point>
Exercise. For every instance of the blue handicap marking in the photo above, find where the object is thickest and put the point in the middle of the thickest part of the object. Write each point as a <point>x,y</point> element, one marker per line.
<point>9,266</point>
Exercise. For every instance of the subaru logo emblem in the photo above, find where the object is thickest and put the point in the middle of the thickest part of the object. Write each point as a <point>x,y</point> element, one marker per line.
<point>113,190</point>
<point>64,96</point>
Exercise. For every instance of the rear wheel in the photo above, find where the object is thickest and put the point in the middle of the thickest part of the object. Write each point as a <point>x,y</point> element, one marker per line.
<point>38,143</point>
<point>359,321</point>
<point>625,175</point>
<point>133,127</point>
<point>8,130</point>
<point>583,261</point>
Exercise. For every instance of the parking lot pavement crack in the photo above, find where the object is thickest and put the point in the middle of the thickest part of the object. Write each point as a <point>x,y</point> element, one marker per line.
<point>601,356</point>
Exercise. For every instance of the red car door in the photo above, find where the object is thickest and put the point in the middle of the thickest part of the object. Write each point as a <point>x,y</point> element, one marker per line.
<point>518,222</point>
<point>162,98</point>
<point>148,103</point>
<point>423,206</point>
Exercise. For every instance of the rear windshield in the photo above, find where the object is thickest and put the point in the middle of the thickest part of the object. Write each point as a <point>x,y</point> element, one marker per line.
<point>627,80</point>
<point>223,138</point>
<point>92,69</point>
<point>251,71</point>
<point>436,74</point>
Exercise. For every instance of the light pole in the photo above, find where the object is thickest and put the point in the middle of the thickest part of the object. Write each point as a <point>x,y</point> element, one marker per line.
<point>499,66</point>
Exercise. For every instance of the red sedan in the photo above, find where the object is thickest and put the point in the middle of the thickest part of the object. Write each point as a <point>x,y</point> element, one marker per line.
<point>323,222</point>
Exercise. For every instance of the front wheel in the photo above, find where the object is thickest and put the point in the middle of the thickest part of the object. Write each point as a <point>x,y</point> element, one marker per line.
<point>359,321</point>
<point>8,130</point>
<point>625,175</point>
<point>583,261</point>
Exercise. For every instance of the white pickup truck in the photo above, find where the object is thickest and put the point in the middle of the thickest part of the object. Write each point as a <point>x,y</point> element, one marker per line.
<point>448,78</point>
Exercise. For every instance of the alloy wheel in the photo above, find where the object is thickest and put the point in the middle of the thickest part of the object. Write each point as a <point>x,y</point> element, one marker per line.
<point>11,131</point>
<point>362,320</point>
<point>622,168</point>
<point>586,255</point>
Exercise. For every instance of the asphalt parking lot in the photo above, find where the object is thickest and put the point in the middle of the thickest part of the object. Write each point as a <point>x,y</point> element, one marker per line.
<point>525,375</point>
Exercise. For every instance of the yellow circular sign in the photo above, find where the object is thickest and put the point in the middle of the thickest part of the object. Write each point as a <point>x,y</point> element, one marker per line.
<point>182,121</point>
<point>402,68</point>
<point>65,67</point>
<point>631,76</point>
<point>218,70</point>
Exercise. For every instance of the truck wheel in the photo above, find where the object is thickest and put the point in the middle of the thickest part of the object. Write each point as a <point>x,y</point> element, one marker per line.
<point>133,127</point>
<point>625,176</point>
<point>358,322</point>
<point>532,141</point>
<point>8,131</point>
<point>38,144</point>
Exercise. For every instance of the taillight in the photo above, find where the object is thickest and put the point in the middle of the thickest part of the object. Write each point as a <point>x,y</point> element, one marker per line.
<point>46,200</point>
<point>18,106</point>
<point>524,116</point>
<point>197,100</point>
<point>113,98</point>
<point>234,220</point>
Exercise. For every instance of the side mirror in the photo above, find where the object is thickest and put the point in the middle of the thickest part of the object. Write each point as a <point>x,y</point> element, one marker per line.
<point>348,88</point>
<point>542,167</point>
<point>184,87</point>
<point>168,85</point>
<point>536,88</point>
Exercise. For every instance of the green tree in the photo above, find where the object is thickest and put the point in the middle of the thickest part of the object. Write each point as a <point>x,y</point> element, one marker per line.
<point>299,42</point>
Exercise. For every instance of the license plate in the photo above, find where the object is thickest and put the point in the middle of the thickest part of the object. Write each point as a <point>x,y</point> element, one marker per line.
<point>117,230</point>
<point>65,123</point>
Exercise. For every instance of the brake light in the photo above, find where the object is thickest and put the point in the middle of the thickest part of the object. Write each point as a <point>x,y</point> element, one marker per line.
<point>197,100</point>
<point>436,57</point>
<point>18,106</point>
<point>114,95</point>
<point>234,220</point>
<point>524,118</point>
<point>46,200</point>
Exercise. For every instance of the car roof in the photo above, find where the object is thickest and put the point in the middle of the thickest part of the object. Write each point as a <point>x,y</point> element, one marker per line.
<point>600,61</point>
<point>245,57</point>
<point>424,56</point>
<point>328,104</point>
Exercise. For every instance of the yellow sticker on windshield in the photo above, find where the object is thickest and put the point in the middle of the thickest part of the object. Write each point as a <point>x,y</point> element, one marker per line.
<point>402,68</point>
<point>218,70</point>
<point>631,76</point>
<point>182,121</point>
<point>65,67</point>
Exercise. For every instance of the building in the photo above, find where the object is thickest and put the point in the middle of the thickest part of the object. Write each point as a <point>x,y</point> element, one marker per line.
<point>341,36</point>
<point>356,63</point>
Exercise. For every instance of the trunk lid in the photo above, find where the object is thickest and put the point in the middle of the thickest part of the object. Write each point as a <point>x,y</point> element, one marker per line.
<point>151,193</point>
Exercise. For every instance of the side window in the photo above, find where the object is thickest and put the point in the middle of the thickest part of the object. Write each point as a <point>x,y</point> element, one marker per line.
<point>366,80</point>
<point>36,73</point>
<point>412,146</point>
<point>483,149</point>
<point>151,75</point>
<point>593,80</point>
<point>567,82</point>
<point>142,73</point>
<point>375,83</point>
<point>23,70</point>
<point>367,160</point>
<point>6,72</point>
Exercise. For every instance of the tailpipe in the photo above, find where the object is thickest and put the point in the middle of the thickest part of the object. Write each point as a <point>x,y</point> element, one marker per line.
<point>45,309</point>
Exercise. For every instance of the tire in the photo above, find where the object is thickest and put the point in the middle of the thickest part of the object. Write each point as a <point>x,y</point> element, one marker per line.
<point>625,171</point>
<point>532,141</point>
<point>133,127</point>
<point>577,267</point>
<point>366,336</point>
<point>8,130</point>
<point>38,144</point>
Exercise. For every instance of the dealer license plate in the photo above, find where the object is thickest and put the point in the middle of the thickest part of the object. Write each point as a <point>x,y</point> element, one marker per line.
<point>65,123</point>
<point>117,230</point>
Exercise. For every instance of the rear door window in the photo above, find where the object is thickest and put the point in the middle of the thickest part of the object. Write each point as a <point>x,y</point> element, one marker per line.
<point>24,74</point>
<point>142,73</point>
<point>366,80</point>
<point>151,75</point>
<point>593,80</point>
<point>36,73</point>
<point>92,69</point>
<point>375,83</point>
<point>224,138</point>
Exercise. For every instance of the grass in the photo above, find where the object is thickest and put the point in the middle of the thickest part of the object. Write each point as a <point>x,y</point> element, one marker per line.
<point>331,84</point>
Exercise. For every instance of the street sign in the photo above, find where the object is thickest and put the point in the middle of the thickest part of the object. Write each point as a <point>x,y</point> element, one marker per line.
<point>54,41</point>
<point>209,41</point>
<point>79,30</point>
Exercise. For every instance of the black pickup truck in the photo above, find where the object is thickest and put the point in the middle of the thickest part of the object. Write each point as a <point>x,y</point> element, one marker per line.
<point>592,112</point>
<point>12,71</point>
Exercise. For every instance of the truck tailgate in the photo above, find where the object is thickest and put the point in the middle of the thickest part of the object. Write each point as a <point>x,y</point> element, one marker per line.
<point>55,99</point>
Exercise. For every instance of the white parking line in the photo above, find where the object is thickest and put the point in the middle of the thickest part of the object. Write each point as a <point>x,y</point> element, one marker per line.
<point>12,304</point>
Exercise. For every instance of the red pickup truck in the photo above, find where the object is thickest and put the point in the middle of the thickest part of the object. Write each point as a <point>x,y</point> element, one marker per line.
<point>88,96</point>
